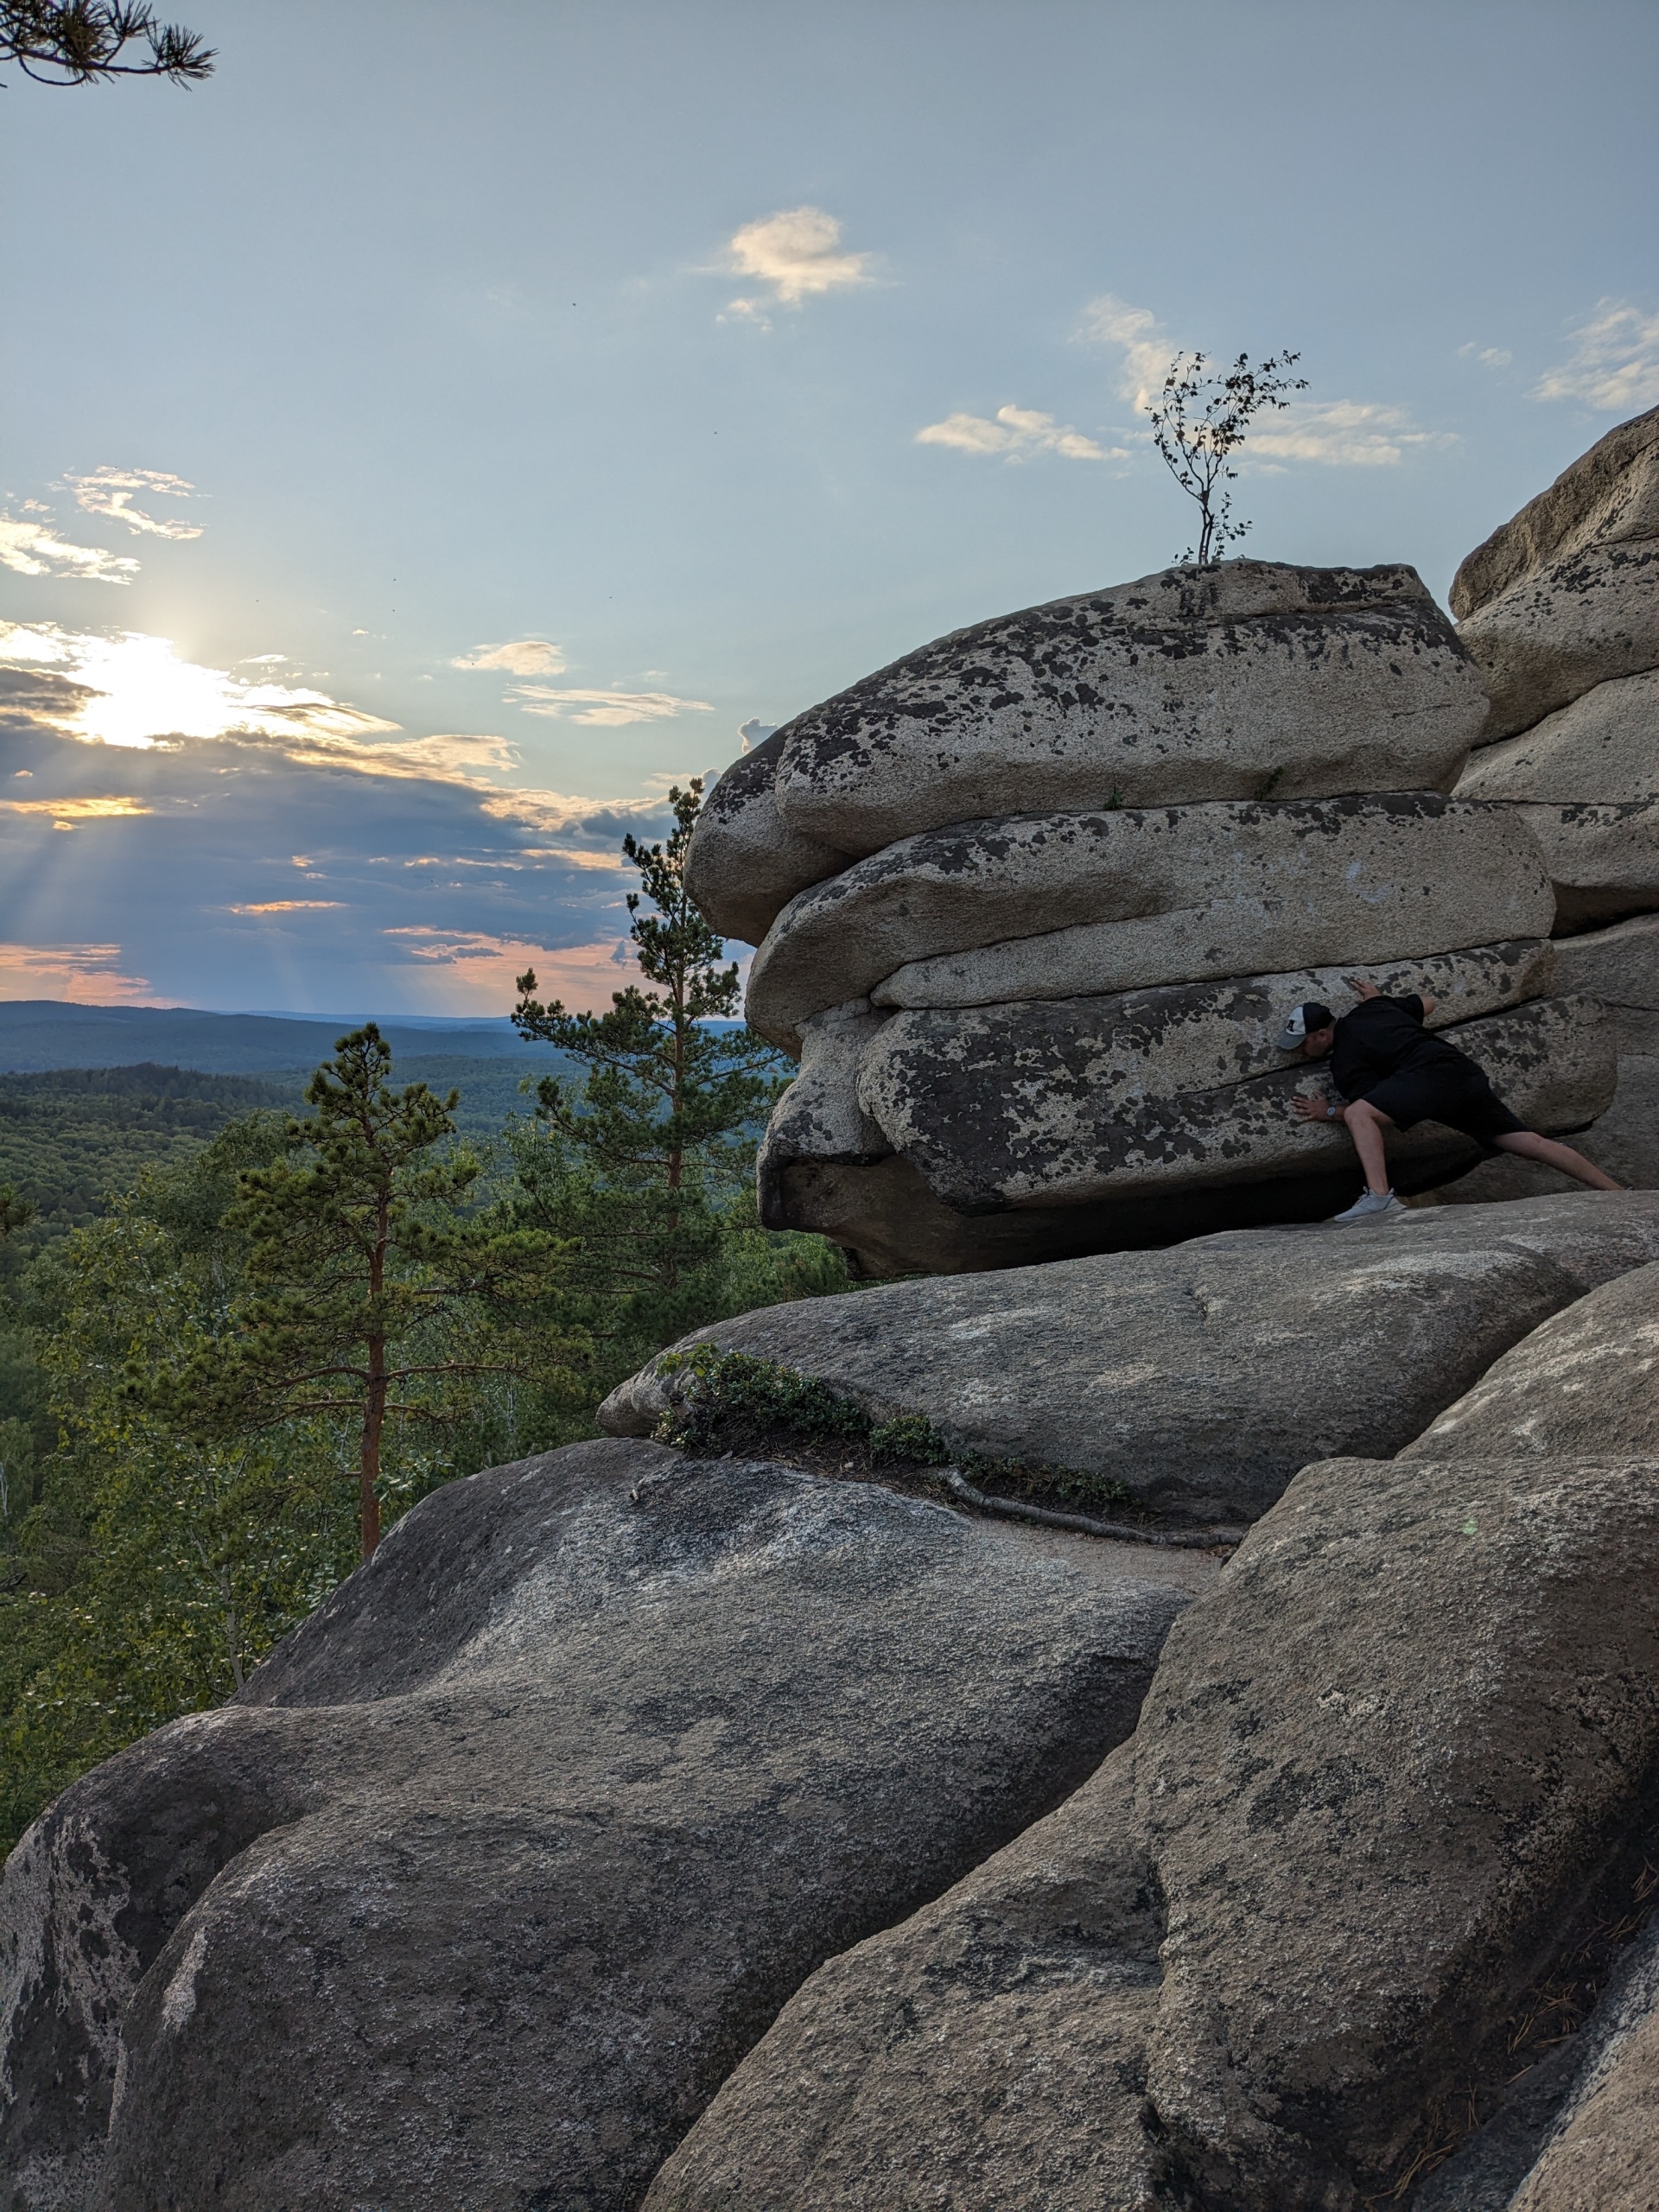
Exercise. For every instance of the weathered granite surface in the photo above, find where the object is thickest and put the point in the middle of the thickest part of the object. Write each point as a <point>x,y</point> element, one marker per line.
<point>1390,1771</point>
<point>1604,749</point>
<point>1583,1382</point>
<point>1202,1376</point>
<point>1182,687</point>
<point>1062,1102</point>
<point>1620,967</point>
<point>509,1853</point>
<point>1180,894</point>
<point>1565,596</point>
<point>1603,860</point>
<point>746,863</point>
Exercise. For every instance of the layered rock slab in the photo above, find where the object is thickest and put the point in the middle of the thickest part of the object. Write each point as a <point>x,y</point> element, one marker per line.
<point>509,1853</point>
<point>1182,687</point>
<point>1185,1037</point>
<point>1181,894</point>
<point>1585,782</point>
<point>1059,1103</point>
<point>1620,967</point>
<point>1376,1767</point>
<point>1566,596</point>
<point>1604,749</point>
<point>746,863</point>
<point>1201,1378</point>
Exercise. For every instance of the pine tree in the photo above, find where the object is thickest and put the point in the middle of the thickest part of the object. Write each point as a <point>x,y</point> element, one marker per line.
<point>374,1295</point>
<point>89,42</point>
<point>637,1164</point>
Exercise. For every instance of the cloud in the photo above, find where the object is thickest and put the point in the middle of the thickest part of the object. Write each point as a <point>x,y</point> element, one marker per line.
<point>1490,357</point>
<point>289,906</point>
<point>1614,363</point>
<point>85,974</point>
<point>580,975</point>
<point>33,549</point>
<point>109,491</point>
<point>527,657</point>
<point>424,756</point>
<point>181,882</point>
<point>1337,433</point>
<point>795,252</point>
<point>1016,434</point>
<point>135,691</point>
<point>1340,434</point>
<point>755,732</point>
<point>604,709</point>
<point>65,813</point>
<point>1148,349</point>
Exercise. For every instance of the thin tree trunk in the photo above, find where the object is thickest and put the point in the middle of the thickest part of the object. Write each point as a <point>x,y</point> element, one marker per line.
<point>374,1406</point>
<point>232,1627</point>
<point>368,1458</point>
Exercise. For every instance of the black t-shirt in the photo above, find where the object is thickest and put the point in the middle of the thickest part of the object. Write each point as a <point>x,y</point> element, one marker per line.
<point>1381,1037</point>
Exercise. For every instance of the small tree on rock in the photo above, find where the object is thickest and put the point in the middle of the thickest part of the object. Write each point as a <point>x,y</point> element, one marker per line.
<point>1201,420</point>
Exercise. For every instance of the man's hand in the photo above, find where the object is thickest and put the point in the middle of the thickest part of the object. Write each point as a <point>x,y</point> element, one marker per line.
<point>1312,1109</point>
<point>1361,988</point>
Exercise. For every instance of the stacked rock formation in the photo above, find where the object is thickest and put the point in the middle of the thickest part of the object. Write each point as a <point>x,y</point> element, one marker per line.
<point>1032,903</point>
<point>1560,611</point>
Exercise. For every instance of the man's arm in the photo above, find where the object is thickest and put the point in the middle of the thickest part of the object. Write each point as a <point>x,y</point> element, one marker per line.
<point>1319,1110</point>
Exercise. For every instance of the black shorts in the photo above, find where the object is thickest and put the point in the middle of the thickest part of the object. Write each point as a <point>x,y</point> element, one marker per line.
<point>1460,1099</point>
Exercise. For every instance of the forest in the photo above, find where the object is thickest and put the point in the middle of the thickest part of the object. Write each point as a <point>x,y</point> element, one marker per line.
<point>242,1331</point>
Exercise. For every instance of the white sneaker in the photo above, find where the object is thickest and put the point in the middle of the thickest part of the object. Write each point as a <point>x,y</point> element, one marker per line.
<point>1371,1206</point>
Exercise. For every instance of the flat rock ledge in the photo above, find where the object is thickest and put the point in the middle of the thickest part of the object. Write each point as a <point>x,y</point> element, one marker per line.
<point>1202,1377</point>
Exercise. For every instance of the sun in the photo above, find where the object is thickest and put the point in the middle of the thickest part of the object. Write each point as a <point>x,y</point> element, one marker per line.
<point>141,692</point>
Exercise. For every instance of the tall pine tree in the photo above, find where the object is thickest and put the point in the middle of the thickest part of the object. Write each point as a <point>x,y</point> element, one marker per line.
<point>376,1300</point>
<point>642,1163</point>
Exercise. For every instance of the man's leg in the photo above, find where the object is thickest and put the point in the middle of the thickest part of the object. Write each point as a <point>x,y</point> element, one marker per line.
<point>1365,1125</point>
<point>1545,1149</point>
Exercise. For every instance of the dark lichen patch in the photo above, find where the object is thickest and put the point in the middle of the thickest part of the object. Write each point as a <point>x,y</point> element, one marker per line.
<point>729,1401</point>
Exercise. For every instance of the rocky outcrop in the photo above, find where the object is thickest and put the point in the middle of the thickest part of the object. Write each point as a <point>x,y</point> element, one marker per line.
<point>1229,773</point>
<point>1585,1382</point>
<point>1602,2152</point>
<point>1585,782</point>
<point>1063,1101</point>
<point>746,863</point>
<point>1560,609</point>
<point>1203,1378</point>
<point>1565,596</point>
<point>1620,968</point>
<point>1255,1961</point>
<point>505,1859</point>
<point>1182,687</point>
<point>1100,903</point>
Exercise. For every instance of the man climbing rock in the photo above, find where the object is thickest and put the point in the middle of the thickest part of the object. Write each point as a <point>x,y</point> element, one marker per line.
<point>1391,1074</point>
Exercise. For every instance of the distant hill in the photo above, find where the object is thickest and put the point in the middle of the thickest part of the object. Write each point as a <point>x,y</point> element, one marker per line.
<point>36,1034</point>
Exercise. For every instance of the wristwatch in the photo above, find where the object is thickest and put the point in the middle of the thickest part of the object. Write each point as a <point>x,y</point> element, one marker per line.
<point>1330,1109</point>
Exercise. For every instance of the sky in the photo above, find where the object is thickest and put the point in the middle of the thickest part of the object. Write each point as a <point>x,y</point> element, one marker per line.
<point>446,427</point>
